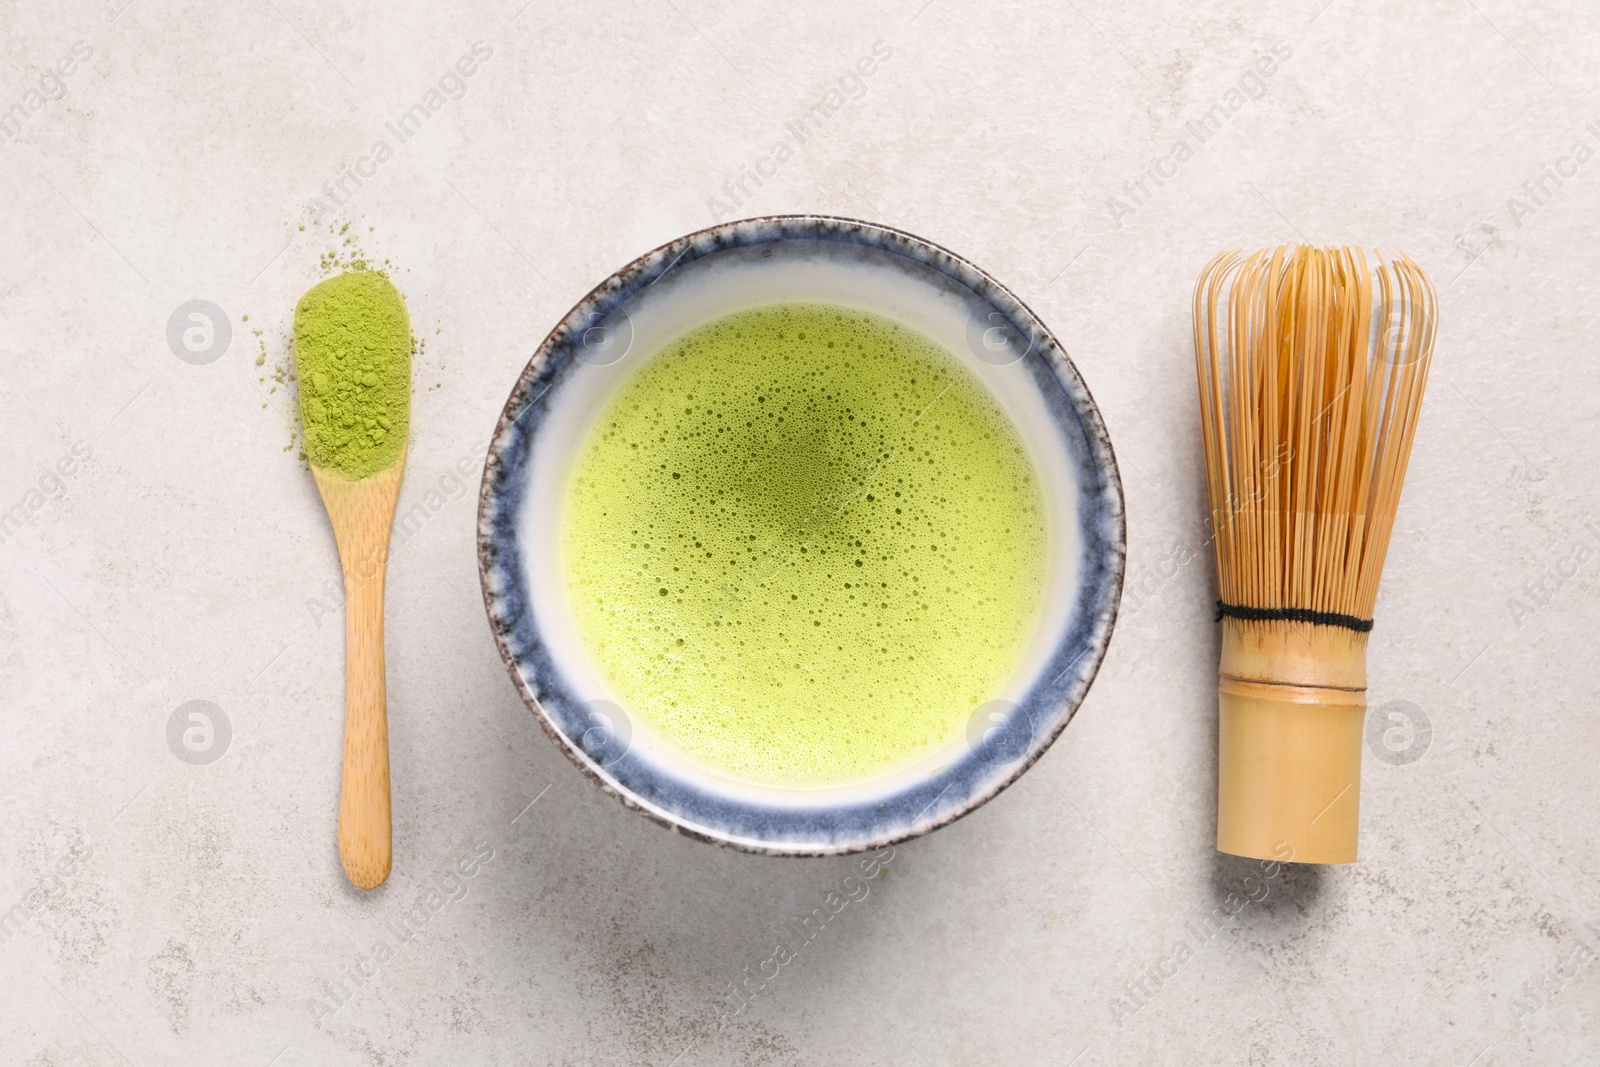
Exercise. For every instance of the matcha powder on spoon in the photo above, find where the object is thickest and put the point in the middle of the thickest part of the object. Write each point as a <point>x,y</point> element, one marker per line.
<point>352,348</point>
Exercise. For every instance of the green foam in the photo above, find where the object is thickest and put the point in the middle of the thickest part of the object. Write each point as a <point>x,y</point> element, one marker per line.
<point>803,544</point>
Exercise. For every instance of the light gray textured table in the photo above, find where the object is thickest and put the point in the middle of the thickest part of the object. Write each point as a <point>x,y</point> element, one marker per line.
<point>162,543</point>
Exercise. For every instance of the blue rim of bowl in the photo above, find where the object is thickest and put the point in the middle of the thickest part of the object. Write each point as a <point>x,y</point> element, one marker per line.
<point>967,783</point>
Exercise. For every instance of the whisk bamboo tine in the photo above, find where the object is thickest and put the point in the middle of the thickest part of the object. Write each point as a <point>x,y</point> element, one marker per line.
<point>1311,366</point>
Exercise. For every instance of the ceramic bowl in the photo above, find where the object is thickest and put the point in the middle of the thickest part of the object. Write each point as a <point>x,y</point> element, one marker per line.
<point>704,276</point>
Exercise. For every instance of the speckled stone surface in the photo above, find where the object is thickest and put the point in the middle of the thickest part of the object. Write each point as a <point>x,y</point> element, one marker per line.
<point>169,888</point>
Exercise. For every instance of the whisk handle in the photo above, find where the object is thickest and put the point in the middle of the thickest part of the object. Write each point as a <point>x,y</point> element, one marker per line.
<point>1292,705</point>
<point>1289,771</point>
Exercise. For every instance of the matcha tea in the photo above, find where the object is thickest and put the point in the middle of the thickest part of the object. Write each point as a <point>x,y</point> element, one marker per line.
<point>352,352</point>
<point>803,544</point>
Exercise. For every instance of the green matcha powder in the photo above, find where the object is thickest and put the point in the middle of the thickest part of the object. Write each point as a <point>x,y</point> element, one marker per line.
<point>352,345</point>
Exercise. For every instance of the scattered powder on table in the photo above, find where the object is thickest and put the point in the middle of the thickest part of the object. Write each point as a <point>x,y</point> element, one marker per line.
<point>352,344</point>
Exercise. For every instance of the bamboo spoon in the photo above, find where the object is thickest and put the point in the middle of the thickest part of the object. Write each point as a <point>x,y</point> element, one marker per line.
<point>353,355</point>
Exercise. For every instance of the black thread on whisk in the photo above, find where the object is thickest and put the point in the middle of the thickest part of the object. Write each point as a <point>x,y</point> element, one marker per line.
<point>1326,618</point>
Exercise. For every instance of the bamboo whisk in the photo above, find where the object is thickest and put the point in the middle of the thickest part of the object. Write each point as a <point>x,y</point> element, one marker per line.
<point>1311,365</point>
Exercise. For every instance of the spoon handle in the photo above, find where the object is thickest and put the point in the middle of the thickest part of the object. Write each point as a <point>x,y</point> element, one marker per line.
<point>365,842</point>
<point>362,513</point>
